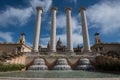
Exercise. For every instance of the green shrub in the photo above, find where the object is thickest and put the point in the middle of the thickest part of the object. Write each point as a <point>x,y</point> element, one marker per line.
<point>11,67</point>
<point>107,63</point>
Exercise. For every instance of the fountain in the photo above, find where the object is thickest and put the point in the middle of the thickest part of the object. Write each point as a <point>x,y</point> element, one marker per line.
<point>62,64</point>
<point>38,64</point>
<point>84,64</point>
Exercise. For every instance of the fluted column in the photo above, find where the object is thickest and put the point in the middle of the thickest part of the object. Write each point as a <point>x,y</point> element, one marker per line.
<point>37,29</point>
<point>53,30</point>
<point>69,29</point>
<point>86,42</point>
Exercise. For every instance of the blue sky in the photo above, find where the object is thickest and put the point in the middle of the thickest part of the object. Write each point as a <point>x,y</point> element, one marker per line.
<point>17,16</point>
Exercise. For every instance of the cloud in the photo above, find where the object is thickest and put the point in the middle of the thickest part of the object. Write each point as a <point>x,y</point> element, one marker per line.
<point>76,25</point>
<point>15,16</point>
<point>61,21</point>
<point>7,36</point>
<point>44,41</point>
<point>105,15</point>
<point>45,4</point>
<point>20,16</point>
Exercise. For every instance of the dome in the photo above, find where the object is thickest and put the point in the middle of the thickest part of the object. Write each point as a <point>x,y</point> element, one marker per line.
<point>59,43</point>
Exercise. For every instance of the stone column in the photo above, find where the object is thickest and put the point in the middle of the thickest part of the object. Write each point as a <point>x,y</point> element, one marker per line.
<point>69,29</point>
<point>37,29</point>
<point>53,30</point>
<point>85,31</point>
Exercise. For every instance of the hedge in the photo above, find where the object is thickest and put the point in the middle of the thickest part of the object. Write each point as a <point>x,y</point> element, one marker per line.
<point>106,63</point>
<point>11,67</point>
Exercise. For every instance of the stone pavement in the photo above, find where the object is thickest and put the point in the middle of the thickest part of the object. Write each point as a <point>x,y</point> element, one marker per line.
<point>60,79</point>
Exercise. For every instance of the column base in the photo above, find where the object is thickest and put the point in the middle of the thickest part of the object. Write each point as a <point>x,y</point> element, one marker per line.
<point>86,51</point>
<point>52,52</point>
<point>70,52</point>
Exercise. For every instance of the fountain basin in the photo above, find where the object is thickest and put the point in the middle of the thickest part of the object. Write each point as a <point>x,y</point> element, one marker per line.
<point>62,64</point>
<point>58,74</point>
<point>38,67</point>
<point>84,67</point>
<point>84,64</point>
<point>84,61</point>
<point>38,64</point>
<point>62,67</point>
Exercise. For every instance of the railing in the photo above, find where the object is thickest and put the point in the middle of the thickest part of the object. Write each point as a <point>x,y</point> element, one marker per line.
<point>35,54</point>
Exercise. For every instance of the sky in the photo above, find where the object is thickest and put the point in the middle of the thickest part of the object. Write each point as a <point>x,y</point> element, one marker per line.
<point>17,16</point>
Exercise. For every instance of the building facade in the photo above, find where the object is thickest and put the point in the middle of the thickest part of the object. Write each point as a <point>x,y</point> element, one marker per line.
<point>20,46</point>
<point>101,47</point>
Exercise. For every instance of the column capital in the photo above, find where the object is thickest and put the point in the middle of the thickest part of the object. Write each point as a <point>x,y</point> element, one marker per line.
<point>68,8</point>
<point>82,9</point>
<point>53,8</point>
<point>39,8</point>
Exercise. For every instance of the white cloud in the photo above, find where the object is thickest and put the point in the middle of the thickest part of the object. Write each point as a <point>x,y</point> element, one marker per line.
<point>76,25</point>
<point>77,39</point>
<point>7,36</point>
<point>45,4</point>
<point>61,23</point>
<point>44,41</point>
<point>15,16</point>
<point>20,16</point>
<point>105,15</point>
